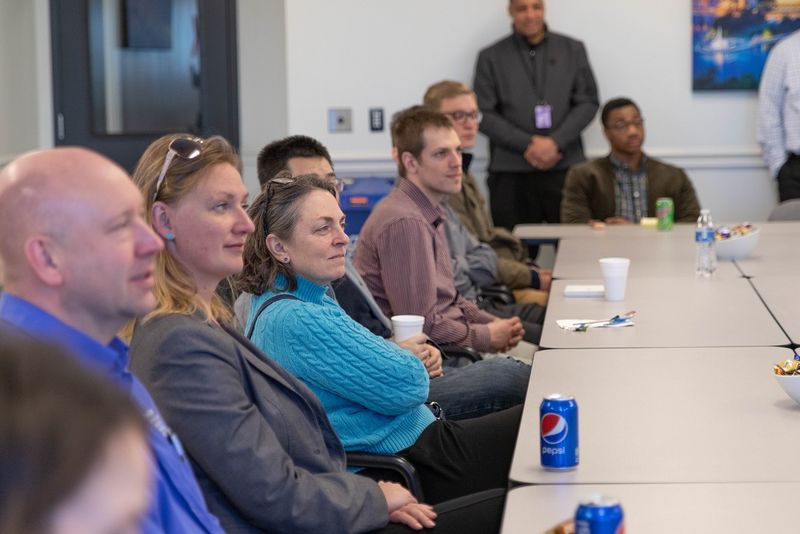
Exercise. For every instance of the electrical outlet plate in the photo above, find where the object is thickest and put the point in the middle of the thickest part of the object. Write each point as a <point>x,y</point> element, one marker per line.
<point>340,120</point>
<point>376,119</point>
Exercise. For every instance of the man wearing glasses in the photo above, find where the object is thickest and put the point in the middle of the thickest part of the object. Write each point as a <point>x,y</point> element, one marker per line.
<point>537,93</point>
<point>623,187</point>
<point>514,268</point>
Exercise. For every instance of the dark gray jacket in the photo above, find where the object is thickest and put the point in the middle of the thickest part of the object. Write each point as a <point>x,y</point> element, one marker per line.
<point>262,448</point>
<point>506,97</point>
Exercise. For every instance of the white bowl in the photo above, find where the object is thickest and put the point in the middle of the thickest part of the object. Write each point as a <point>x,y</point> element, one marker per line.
<point>737,247</point>
<point>791,385</point>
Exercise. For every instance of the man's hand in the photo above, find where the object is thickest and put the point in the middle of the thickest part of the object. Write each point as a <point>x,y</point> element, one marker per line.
<point>404,508</point>
<point>542,153</point>
<point>428,354</point>
<point>505,334</point>
<point>618,220</point>
<point>545,278</point>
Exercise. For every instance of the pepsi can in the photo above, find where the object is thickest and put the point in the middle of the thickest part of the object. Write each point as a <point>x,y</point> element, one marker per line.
<point>558,424</point>
<point>599,515</point>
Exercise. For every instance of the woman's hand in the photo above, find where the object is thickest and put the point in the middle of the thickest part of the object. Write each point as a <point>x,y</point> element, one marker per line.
<point>428,354</point>
<point>404,508</point>
<point>415,516</point>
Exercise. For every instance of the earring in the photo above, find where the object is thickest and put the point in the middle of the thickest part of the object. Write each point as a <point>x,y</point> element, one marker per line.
<point>285,260</point>
<point>170,236</point>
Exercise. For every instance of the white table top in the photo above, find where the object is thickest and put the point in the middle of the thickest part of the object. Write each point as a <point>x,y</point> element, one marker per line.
<point>774,254</point>
<point>781,294</point>
<point>661,508</point>
<point>670,312</point>
<point>666,415</point>
<point>659,256</point>
<point>554,232</point>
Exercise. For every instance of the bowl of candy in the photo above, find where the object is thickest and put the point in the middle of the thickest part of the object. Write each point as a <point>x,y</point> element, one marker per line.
<point>787,373</point>
<point>735,242</point>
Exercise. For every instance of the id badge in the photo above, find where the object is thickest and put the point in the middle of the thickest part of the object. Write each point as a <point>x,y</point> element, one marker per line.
<point>543,116</point>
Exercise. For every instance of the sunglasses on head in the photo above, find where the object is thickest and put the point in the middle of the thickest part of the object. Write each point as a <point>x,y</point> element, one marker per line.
<point>185,148</point>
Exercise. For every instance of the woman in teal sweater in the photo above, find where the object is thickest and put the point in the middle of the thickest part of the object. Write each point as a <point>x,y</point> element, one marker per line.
<point>372,390</point>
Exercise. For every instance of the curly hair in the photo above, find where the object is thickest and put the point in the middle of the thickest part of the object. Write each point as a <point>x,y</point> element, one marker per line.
<point>275,211</point>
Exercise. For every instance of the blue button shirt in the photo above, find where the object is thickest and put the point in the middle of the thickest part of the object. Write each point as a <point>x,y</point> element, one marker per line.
<point>178,505</point>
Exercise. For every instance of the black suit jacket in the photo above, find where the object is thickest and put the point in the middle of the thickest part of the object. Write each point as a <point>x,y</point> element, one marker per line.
<point>507,98</point>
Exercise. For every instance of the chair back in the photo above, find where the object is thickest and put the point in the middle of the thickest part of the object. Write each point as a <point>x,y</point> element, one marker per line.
<point>788,210</point>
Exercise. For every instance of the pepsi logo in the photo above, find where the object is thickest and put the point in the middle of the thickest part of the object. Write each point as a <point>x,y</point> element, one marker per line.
<point>554,428</point>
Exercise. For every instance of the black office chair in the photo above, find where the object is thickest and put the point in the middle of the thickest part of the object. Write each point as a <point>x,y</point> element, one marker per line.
<point>390,462</point>
<point>498,294</point>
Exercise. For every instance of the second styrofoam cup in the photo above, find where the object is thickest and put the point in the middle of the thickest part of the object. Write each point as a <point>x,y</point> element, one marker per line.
<point>615,276</point>
<point>406,326</point>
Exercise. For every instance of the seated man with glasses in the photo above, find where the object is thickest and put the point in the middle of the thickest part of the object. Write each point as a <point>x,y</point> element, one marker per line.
<point>623,187</point>
<point>515,269</point>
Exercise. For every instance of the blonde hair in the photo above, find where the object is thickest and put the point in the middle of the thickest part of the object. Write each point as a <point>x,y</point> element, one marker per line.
<point>444,90</point>
<point>175,290</point>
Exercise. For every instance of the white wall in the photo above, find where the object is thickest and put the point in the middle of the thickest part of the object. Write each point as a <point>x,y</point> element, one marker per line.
<point>365,53</point>
<point>262,79</point>
<point>23,74</point>
<point>297,58</point>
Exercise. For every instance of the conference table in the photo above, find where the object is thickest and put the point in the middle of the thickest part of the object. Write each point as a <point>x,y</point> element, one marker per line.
<point>667,415</point>
<point>671,311</point>
<point>552,233</point>
<point>745,508</point>
<point>660,256</point>
<point>781,295</point>
<point>680,416</point>
<point>774,254</point>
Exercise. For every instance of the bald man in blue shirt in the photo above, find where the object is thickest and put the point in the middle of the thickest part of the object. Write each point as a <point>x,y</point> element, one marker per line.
<point>78,264</point>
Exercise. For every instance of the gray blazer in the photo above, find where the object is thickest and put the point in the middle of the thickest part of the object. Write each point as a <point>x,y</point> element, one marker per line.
<point>506,98</point>
<point>262,448</point>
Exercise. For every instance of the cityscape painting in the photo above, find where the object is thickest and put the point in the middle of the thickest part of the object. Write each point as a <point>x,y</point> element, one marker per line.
<point>732,38</point>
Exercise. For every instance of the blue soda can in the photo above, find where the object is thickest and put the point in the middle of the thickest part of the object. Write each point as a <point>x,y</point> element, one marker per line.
<point>599,515</point>
<point>558,424</point>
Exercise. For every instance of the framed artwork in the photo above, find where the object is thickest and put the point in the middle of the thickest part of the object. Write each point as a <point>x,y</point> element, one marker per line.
<point>732,38</point>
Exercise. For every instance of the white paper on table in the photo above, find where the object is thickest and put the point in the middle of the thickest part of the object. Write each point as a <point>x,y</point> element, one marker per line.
<point>573,324</point>
<point>584,290</point>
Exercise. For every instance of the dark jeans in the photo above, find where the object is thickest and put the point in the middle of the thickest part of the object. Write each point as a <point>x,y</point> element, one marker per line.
<point>526,198</point>
<point>456,458</point>
<point>789,179</point>
<point>480,388</point>
<point>480,513</point>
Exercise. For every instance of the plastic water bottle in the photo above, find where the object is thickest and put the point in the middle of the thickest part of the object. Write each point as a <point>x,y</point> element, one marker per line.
<point>704,241</point>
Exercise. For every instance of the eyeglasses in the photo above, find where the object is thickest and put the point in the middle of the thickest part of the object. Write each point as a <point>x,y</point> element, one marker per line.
<point>624,125</point>
<point>337,182</point>
<point>462,116</point>
<point>185,148</point>
<point>270,190</point>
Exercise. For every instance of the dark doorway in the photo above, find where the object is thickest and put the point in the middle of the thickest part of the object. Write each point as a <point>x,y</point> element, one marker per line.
<point>126,72</point>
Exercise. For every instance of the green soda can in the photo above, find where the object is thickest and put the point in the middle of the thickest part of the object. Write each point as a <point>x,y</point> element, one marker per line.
<point>665,211</point>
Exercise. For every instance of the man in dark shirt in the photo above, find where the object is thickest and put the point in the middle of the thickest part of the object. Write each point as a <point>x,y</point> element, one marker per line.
<point>537,93</point>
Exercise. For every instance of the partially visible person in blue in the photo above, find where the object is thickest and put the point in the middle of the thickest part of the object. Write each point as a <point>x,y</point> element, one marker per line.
<point>78,264</point>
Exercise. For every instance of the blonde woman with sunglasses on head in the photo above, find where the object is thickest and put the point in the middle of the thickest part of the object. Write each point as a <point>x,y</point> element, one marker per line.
<point>261,445</point>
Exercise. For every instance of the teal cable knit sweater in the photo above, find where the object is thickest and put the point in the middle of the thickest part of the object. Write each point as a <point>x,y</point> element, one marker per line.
<point>372,390</point>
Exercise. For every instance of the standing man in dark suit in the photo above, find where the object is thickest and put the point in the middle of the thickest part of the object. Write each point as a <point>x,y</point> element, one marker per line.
<point>537,93</point>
